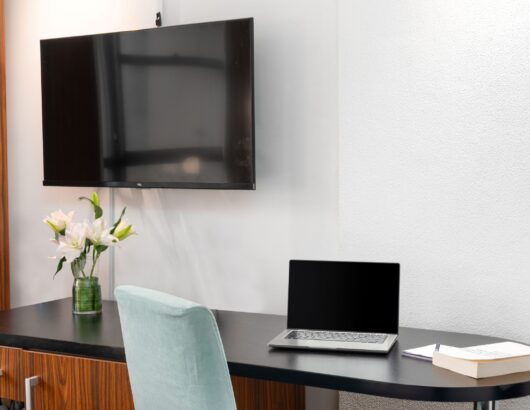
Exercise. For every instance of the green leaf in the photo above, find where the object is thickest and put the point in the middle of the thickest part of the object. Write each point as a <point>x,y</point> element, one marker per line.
<point>117,222</point>
<point>75,269</point>
<point>98,212</point>
<point>59,266</point>
<point>101,248</point>
<point>78,265</point>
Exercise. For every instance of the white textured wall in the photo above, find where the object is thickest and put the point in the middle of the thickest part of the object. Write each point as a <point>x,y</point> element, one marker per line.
<point>435,159</point>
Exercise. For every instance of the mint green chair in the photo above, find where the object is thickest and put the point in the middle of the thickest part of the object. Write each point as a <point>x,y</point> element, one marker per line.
<point>174,353</point>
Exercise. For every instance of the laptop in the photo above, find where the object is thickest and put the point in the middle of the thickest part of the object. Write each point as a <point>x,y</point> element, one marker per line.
<point>350,306</point>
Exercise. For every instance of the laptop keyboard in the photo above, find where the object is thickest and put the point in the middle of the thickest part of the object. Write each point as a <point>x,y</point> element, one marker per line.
<point>336,336</point>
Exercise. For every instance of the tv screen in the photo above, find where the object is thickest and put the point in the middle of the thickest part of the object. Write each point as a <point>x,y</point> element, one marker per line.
<point>170,107</point>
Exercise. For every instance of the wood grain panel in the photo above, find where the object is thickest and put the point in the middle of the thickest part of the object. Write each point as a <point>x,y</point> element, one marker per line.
<point>11,381</point>
<point>76,383</point>
<point>253,394</point>
<point>4,215</point>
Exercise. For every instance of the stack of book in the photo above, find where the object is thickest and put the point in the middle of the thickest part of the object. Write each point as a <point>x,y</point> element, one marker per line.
<point>495,359</point>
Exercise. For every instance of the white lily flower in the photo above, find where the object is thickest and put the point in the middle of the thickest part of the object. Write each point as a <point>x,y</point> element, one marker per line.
<point>73,242</point>
<point>99,234</point>
<point>124,230</point>
<point>59,221</point>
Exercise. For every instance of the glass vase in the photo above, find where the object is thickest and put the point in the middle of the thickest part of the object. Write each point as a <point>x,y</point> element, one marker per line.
<point>86,296</point>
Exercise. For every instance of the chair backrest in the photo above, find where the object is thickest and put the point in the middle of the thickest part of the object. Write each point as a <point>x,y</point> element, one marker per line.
<point>174,352</point>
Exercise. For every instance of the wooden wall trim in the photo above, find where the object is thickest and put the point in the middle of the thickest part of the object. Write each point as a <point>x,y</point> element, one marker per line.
<point>4,214</point>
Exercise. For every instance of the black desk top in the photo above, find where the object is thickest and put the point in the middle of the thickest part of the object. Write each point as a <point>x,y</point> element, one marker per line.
<point>52,327</point>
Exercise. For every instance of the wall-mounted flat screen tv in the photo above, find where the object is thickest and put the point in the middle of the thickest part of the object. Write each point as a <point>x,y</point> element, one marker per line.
<point>171,107</point>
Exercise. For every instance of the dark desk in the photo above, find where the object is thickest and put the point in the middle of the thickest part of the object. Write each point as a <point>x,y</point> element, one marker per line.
<point>51,327</point>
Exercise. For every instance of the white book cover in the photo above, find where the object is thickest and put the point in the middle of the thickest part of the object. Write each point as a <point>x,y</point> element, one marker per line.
<point>494,351</point>
<point>495,359</point>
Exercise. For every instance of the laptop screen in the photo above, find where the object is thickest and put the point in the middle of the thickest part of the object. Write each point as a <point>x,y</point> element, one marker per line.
<point>347,296</point>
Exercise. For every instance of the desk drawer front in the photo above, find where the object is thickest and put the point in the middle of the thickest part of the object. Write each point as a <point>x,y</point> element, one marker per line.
<point>11,380</point>
<point>74,383</point>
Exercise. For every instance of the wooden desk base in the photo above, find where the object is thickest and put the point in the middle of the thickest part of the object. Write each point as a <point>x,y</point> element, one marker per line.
<point>78,383</point>
<point>253,394</point>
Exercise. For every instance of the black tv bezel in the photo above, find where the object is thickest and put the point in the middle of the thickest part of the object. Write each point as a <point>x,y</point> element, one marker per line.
<point>249,186</point>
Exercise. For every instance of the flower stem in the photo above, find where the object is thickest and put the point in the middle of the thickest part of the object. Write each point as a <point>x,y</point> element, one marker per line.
<point>95,258</point>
